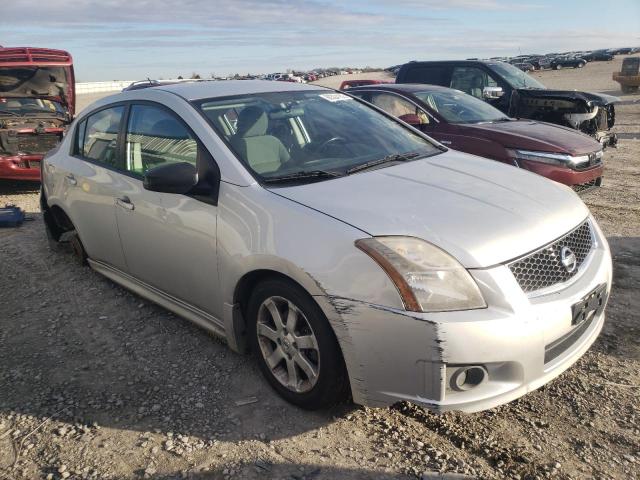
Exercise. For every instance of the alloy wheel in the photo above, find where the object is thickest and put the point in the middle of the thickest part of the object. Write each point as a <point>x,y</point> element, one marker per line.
<point>288,344</point>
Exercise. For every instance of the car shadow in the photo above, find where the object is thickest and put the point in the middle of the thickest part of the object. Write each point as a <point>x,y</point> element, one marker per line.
<point>621,332</point>
<point>297,471</point>
<point>16,187</point>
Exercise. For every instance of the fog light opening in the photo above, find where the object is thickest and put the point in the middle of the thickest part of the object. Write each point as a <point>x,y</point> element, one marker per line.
<point>466,378</point>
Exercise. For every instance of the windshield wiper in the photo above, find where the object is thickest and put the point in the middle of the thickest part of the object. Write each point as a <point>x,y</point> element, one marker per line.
<point>398,157</point>
<point>302,175</point>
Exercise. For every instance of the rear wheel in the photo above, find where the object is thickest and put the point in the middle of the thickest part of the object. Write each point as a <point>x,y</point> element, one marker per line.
<point>295,346</point>
<point>79,253</point>
<point>557,67</point>
<point>580,65</point>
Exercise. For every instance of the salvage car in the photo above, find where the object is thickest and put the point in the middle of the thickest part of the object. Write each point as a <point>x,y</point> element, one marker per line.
<point>519,95</point>
<point>465,123</point>
<point>37,101</point>
<point>348,251</point>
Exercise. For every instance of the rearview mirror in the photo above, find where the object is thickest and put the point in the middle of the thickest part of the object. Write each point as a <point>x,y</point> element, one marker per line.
<point>171,178</point>
<point>492,92</point>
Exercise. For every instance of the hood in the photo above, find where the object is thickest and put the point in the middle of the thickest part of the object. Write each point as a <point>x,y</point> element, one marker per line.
<point>533,135</point>
<point>54,83</point>
<point>480,211</point>
<point>590,99</point>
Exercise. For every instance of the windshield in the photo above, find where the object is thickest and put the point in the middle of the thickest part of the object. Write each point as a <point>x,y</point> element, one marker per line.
<point>457,107</point>
<point>304,134</point>
<point>29,106</point>
<point>514,76</point>
<point>33,81</point>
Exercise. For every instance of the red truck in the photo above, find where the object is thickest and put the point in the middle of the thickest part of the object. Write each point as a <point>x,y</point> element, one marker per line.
<point>37,103</point>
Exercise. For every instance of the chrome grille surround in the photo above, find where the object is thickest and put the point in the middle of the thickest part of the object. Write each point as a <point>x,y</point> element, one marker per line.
<point>543,268</point>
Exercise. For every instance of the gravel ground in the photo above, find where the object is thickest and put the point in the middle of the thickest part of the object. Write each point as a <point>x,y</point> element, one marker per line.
<point>97,383</point>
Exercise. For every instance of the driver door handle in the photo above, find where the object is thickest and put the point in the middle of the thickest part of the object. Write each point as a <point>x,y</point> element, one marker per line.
<point>125,203</point>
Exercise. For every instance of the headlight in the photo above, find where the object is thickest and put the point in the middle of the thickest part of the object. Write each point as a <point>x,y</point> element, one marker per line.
<point>427,278</point>
<point>581,161</point>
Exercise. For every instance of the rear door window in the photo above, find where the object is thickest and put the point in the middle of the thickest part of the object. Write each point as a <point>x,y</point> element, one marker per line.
<point>100,136</point>
<point>471,80</point>
<point>156,137</point>
<point>431,74</point>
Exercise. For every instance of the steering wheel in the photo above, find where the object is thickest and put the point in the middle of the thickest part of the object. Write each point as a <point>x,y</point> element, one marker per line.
<point>330,141</point>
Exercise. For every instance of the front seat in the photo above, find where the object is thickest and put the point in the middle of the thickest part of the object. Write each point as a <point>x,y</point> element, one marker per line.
<point>477,84</point>
<point>264,153</point>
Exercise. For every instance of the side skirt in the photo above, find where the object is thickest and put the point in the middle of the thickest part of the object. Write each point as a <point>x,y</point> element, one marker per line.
<point>183,309</point>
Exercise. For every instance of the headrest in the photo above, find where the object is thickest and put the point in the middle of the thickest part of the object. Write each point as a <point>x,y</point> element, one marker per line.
<point>252,122</point>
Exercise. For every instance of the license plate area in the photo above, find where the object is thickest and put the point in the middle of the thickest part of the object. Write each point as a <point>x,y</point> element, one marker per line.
<point>591,305</point>
<point>583,313</point>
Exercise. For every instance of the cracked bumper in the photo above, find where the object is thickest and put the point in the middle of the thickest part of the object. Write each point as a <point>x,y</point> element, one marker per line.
<point>394,355</point>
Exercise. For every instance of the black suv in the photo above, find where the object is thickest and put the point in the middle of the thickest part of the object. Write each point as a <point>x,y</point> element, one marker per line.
<point>519,95</point>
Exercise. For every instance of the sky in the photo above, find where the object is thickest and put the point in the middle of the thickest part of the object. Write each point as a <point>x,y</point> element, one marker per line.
<point>135,39</point>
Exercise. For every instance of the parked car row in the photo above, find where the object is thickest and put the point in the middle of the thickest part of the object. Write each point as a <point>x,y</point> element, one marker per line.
<point>349,251</point>
<point>556,61</point>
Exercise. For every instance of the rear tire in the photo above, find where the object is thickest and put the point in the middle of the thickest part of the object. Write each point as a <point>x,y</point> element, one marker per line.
<point>557,67</point>
<point>580,65</point>
<point>295,346</point>
<point>79,253</point>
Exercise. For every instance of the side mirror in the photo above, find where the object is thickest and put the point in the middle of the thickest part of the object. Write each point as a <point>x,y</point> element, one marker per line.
<point>492,92</point>
<point>412,119</point>
<point>171,178</point>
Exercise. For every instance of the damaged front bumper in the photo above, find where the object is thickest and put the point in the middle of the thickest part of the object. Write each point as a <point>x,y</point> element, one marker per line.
<point>591,113</point>
<point>517,344</point>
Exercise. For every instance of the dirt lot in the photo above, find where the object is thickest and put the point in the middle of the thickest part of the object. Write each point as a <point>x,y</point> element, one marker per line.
<point>97,383</point>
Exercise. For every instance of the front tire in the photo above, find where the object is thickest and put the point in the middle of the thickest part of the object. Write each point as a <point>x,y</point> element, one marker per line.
<point>557,67</point>
<point>295,346</point>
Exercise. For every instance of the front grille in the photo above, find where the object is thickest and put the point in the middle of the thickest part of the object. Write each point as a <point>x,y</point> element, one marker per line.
<point>543,268</point>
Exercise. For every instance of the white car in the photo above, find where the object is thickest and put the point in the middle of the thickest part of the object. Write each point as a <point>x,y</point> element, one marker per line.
<point>350,252</point>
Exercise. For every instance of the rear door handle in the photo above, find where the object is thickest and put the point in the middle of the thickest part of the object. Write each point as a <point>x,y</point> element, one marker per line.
<point>71,179</point>
<point>125,203</point>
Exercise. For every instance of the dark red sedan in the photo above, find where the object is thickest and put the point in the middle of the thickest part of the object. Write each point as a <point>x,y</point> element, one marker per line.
<point>465,123</point>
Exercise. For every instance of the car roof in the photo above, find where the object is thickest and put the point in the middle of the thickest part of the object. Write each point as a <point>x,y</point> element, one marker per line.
<point>224,88</point>
<point>399,87</point>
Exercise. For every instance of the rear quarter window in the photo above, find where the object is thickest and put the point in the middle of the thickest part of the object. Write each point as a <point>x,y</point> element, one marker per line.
<point>434,75</point>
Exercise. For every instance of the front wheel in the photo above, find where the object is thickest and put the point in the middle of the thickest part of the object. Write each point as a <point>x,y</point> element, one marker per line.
<point>295,346</point>
<point>557,67</point>
<point>580,65</point>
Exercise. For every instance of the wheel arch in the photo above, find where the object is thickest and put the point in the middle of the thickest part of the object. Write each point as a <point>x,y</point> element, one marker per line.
<point>235,310</point>
<point>57,221</point>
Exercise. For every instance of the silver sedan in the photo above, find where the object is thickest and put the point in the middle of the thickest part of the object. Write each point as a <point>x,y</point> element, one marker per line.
<point>352,254</point>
